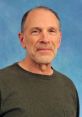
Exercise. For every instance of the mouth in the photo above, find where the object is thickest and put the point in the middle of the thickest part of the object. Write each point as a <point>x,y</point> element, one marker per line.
<point>44,50</point>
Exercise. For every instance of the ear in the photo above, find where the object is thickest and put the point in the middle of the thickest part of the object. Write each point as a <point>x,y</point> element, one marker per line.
<point>59,40</point>
<point>21,38</point>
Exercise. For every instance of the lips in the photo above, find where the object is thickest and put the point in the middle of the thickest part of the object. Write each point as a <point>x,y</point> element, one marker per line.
<point>45,48</point>
<point>45,51</point>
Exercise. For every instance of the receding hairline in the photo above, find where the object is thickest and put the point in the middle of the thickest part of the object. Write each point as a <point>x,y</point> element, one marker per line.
<point>25,16</point>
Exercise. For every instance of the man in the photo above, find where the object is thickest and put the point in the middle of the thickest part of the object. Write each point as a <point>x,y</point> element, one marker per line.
<point>31,87</point>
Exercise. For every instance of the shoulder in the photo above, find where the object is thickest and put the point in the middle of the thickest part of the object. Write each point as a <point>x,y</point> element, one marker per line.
<point>5,73</point>
<point>68,85</point>
<point>7,80</point>
<point>8,68</point>
<point>65,80</point>
<point>8,77</point>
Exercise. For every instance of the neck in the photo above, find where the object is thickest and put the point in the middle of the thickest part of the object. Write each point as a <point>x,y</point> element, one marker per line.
<point>34,67</point>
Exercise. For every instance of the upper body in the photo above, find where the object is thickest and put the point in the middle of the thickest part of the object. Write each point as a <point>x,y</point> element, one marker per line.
<point>41,36</point>
<point>26,94</point>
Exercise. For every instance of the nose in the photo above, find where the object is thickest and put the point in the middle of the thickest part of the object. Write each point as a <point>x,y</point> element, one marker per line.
<point>44,37</point>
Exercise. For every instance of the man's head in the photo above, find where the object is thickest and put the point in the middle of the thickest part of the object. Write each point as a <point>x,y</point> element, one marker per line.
<point>40,34</point>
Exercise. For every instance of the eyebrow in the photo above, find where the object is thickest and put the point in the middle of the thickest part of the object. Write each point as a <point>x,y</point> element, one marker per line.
<point>39,28</point>
<point>53,27</point>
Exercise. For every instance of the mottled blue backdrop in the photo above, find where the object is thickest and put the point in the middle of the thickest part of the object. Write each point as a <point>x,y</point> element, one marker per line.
<point>69,58</point>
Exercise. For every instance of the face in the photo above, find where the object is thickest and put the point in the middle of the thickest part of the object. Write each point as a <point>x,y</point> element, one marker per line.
<point>41,36</point>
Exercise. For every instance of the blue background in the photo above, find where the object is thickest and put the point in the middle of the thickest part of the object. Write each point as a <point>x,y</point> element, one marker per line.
<point>69,58</point>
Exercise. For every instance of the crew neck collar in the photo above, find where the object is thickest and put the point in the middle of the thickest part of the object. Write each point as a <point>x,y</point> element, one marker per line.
<point>36,74</point>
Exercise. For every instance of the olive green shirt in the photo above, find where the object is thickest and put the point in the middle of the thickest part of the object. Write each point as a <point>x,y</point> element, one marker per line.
<point>26,94</point>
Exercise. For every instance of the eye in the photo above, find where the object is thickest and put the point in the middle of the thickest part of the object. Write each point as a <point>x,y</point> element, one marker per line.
<point>35,32</point>
<point>52,31</point>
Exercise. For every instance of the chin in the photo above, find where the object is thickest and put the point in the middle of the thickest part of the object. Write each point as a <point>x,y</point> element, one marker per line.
<point>44,59</point>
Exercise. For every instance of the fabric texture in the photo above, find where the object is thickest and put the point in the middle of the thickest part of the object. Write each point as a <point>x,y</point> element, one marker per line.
<point>26,94</point>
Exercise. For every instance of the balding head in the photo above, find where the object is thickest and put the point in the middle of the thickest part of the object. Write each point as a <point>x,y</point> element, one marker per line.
<point>25,16</point>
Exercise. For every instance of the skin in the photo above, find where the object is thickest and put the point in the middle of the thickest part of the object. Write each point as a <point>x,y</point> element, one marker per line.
<point>41,38</point>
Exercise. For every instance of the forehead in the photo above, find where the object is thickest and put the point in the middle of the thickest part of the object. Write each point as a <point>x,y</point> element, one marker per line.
<point>41,17</point>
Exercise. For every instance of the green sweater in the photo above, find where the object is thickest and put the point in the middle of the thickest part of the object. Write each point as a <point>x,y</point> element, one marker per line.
<point>25,94</point>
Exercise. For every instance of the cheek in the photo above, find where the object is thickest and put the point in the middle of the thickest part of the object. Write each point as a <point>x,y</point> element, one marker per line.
<point>56,42</point>
<point>30,46</point>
